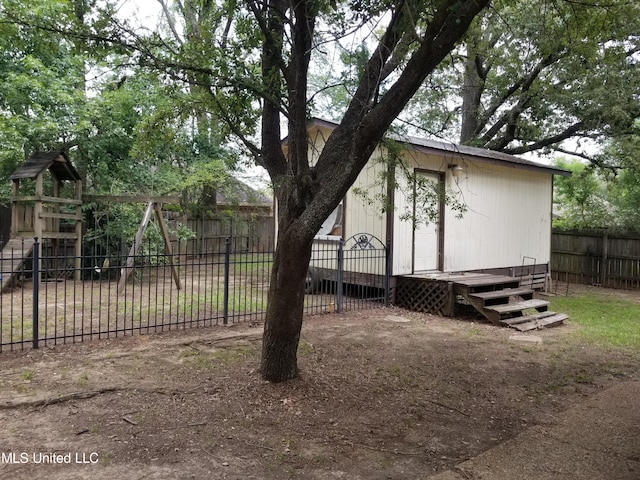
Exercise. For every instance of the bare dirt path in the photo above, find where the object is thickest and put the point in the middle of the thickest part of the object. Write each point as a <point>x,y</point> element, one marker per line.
<point>383,394</point>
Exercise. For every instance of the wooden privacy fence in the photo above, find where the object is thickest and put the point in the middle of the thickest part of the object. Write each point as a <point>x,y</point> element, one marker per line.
<point>596,258</point>
<point>246,232</point>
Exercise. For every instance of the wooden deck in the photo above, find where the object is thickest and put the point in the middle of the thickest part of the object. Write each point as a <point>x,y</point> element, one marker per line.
<point>500,299</point>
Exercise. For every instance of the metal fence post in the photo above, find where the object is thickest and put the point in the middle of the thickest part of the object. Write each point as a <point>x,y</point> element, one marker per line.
<point>340,279</point>
<point>387,274</point>
<point>227,254</point>
<point>36,290</point>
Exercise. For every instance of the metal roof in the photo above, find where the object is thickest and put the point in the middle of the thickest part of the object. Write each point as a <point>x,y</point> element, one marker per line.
<point>461,152</point>
<point>56,162</point>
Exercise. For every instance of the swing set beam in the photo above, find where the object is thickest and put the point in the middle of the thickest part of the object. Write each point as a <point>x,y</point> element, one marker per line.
<point>127,270</point>
<point>132,198</point>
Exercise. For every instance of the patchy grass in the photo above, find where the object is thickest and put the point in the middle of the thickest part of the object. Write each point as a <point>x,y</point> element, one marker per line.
<point>217,357</point>
<point>606,320</point>
<point>252,264</point>
<point>83,380</point>
<point>304,347</point>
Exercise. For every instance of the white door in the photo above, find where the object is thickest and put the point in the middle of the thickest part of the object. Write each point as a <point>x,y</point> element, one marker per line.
<point>425,237</point>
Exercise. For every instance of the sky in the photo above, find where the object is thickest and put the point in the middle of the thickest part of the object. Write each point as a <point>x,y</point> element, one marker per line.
<point>145,11</point>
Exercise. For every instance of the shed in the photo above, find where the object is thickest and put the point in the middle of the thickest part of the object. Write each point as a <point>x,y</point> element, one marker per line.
<point>506,229</point>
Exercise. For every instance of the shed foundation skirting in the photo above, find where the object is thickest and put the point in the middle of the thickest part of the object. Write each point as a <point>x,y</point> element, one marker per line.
<point>426,295</point>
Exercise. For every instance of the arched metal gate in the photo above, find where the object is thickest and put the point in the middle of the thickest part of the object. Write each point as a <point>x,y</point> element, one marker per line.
<point>347,274</point>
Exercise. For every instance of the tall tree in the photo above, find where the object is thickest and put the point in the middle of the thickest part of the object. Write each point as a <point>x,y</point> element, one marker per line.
<point>417,36</point>
<point>128,134</point>
<point>255,62</point>
<point>581,200</point>
<point>200,25</point>
<point>619,165</point>
<point>604,193</point>
<point>40,98</point>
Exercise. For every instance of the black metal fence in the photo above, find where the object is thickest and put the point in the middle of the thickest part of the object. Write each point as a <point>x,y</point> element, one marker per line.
<point>49,297</point>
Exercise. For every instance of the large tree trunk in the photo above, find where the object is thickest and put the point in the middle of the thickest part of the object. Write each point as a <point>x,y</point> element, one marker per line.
<point>285,310</point>
<point>472,90</point>
<point>471,96</point>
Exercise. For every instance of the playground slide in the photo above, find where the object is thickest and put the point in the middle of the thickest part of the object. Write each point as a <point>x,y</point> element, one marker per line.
<point>12,258</point>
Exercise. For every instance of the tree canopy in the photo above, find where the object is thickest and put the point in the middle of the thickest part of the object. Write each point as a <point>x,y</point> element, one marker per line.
<point>126,127</point>
<point>526,76</point>
<point>537,73</point>
<point>604,194</point>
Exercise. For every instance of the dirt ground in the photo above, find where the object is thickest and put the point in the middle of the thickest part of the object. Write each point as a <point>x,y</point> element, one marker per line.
<point>383,394</point>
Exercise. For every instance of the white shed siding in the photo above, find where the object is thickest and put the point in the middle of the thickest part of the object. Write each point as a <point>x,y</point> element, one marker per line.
<point>508,218</point>
<point>402,258</point>
<point>364,215</point>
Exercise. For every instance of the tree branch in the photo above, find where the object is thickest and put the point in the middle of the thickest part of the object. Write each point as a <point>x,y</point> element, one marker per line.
<point>367,90</point>
<point>444,30</point>
<point>567,133</point>
<point>271,42</point>
<point>170,21</point>
<point>400,53</point>
<point>302,29</point>
<point>254,150</point>
<point>227,28</point>
<point>524,84</point>
<point>575,154</point>
<point>273,26</point>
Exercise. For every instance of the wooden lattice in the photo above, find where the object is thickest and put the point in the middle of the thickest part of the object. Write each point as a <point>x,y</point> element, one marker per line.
<point>423,295</point>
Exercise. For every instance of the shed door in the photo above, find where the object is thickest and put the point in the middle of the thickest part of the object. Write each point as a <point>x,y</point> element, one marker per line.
<point>425,237</point>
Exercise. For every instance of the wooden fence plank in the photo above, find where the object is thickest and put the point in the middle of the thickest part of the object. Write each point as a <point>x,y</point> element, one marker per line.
<point>596,258</point>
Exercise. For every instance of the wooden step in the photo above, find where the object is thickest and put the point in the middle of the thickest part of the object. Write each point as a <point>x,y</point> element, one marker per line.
<point>550,321</point>
<point>510,322</point>
<point>504,293</point>
<point>489,281</point>
<point>518,306</point>
<point>496,297</point>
